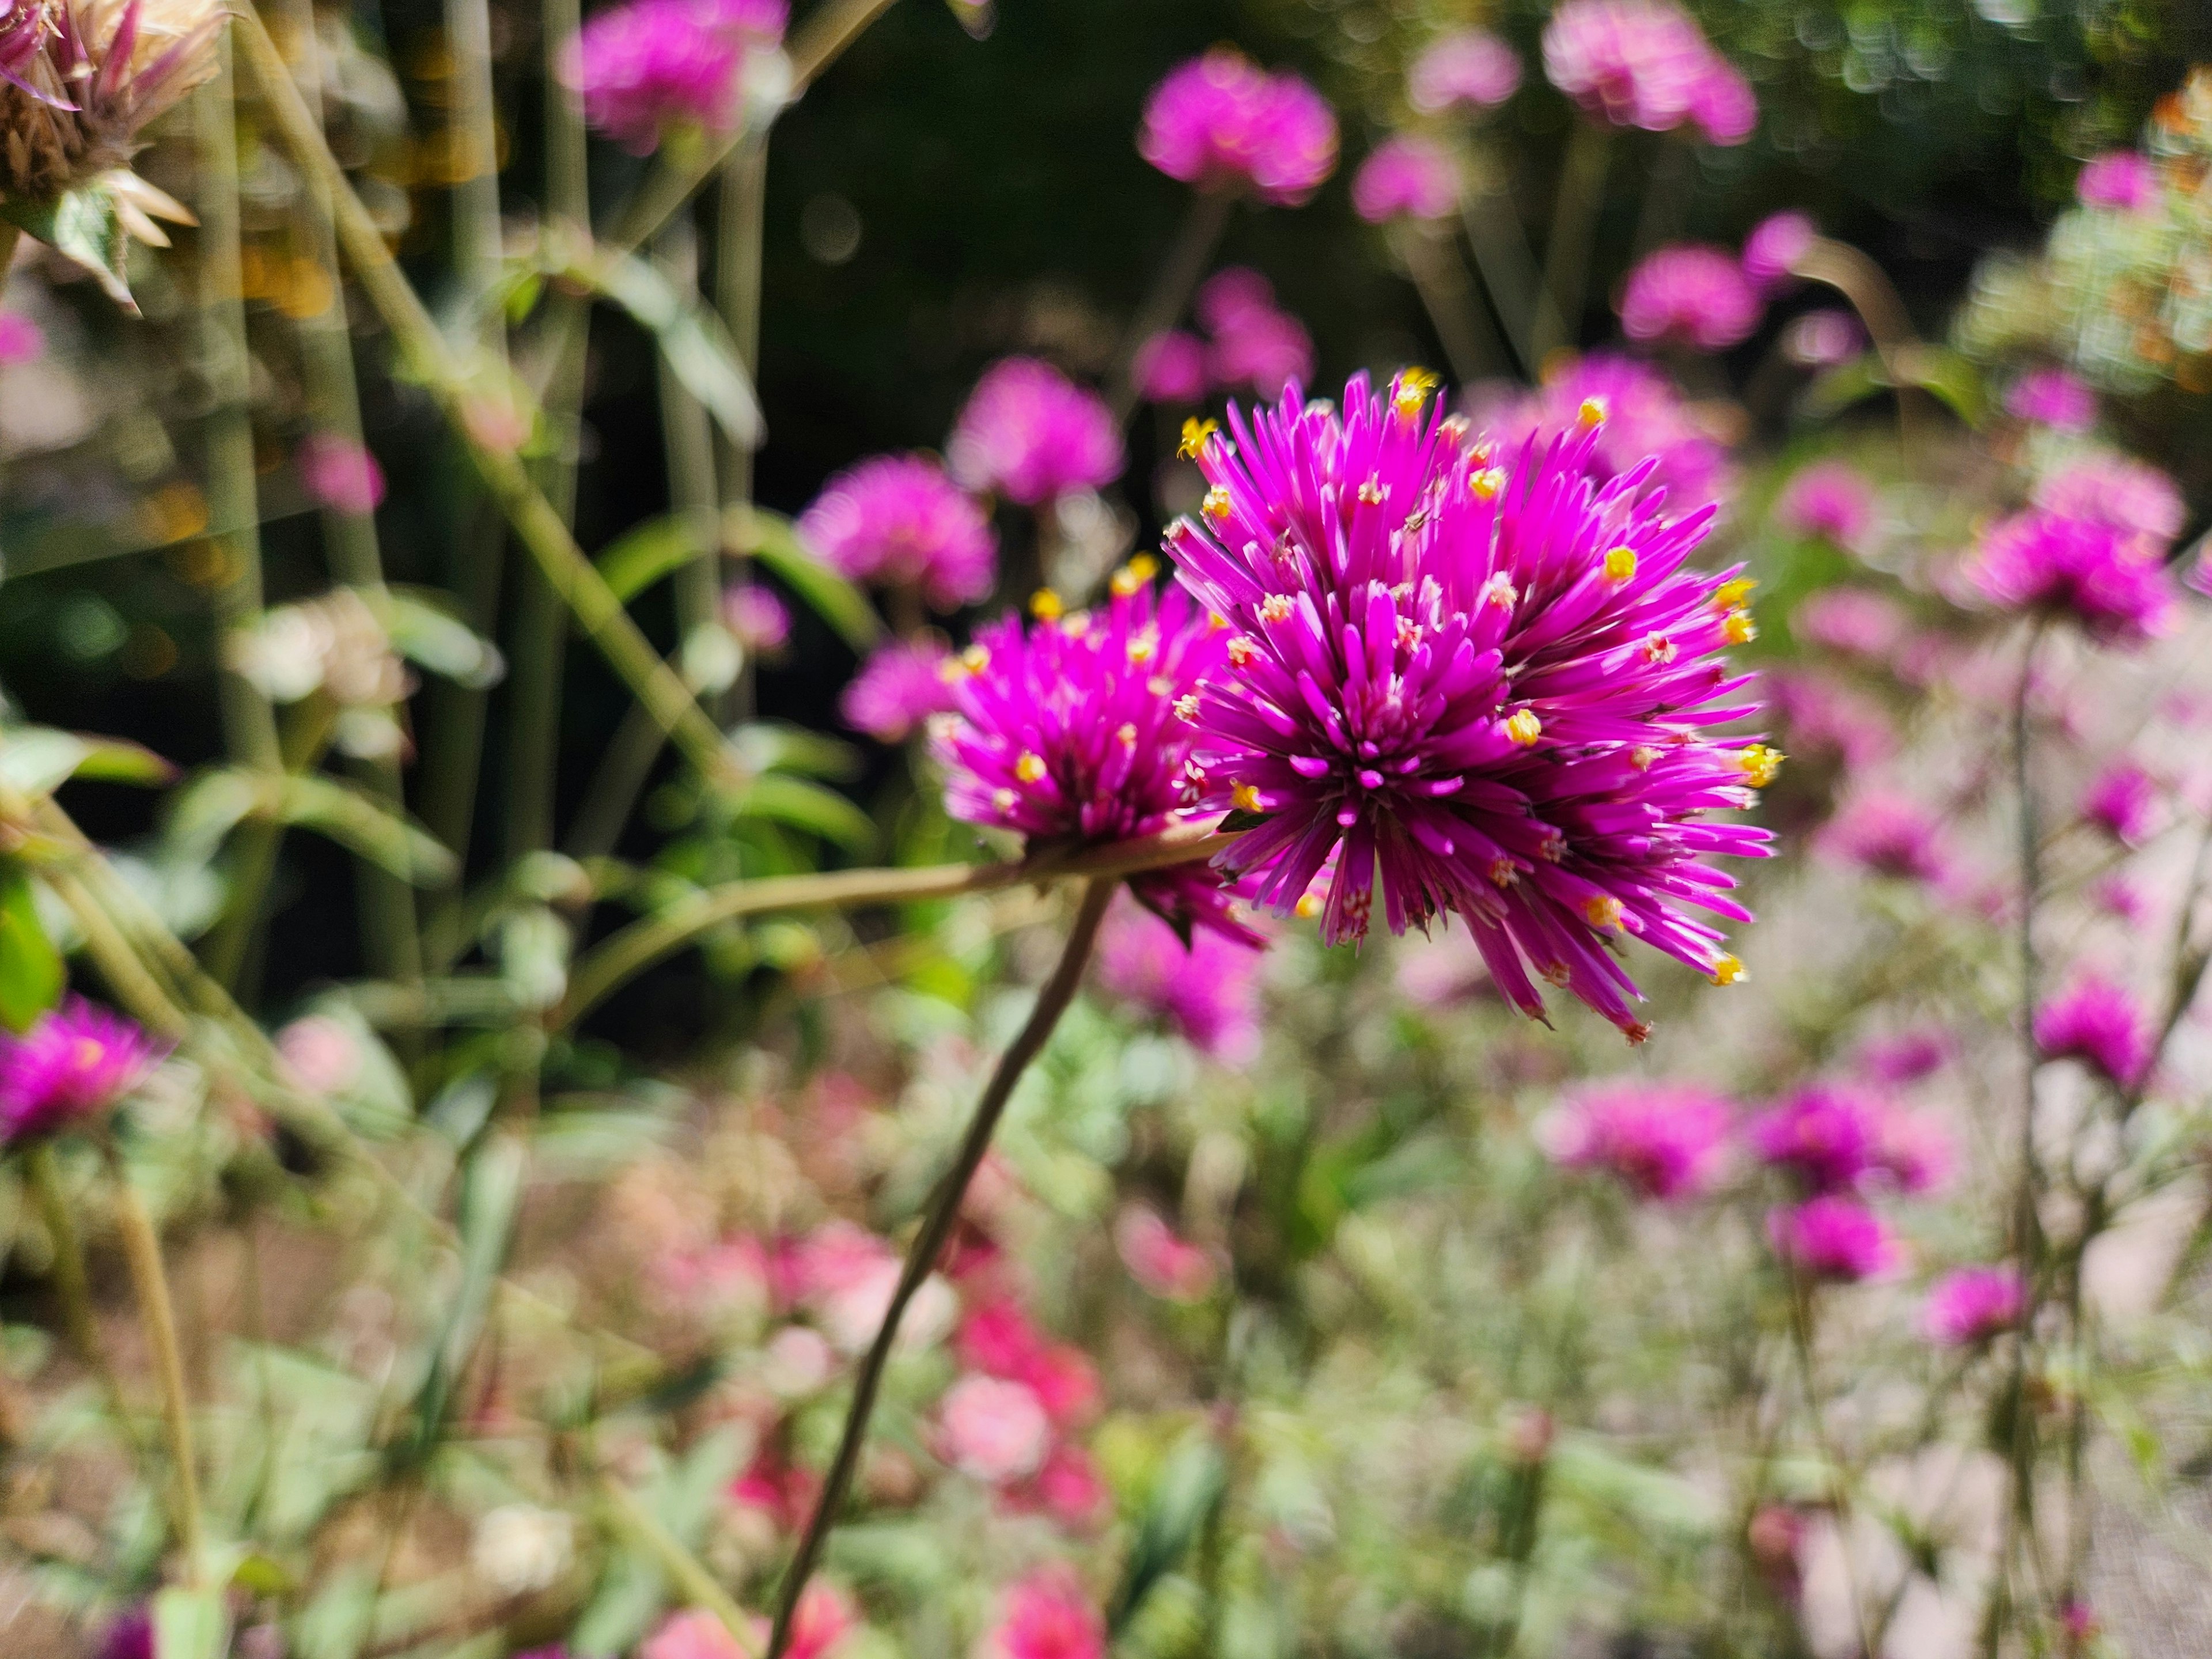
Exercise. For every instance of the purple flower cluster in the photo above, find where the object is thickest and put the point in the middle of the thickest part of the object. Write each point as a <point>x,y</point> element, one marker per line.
<point>1775,246</point>
<point>1646,420</point>
<point>1256,345</point>
<point>1033,435</point>
<point>1220,122</point>
<point>1887,834</point>
<point>2124,801</point>
<point>1691,293</point>
<point>2052,398</point>
<point>1838,1138</point>
<point>898,520</point>
<point>1969,1306</point>
<point>1067,732</point>
<point>2104,577</point>
<point>1665,1140</point>
<point>900,686</point>
<point>21,341</point>
<point>2118,491</point>
<point>1831,499</point>
<point>643,67</point>
<point>1832,1238</point>
<point>2123,179</point>
<point>2097,1021</point>
<point>1209,991</point>
<point>1407,177</point>
<point>1471,69</point>
<point>1646,64</point>
<point>71,1065</point>
<point>1484,675</point>
<point>1854,621</point>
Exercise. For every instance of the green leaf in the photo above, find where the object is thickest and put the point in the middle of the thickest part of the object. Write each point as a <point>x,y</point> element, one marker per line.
<point>692,338</point>
<point>31,975</point>
<point>641,556</point>
<point>36,760</point>
<point>491,1192</point>
<point>360,823</point>
<point>1184,1493</point>
<point>774,541</point>
<point>85,226</point>
<point>190,1624</point>
<point>807,806</point>
<point>426,629</point>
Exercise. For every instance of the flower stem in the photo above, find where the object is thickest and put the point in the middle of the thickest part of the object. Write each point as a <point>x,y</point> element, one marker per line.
<point>1800,1335</point>
<point>70,1285</point>
<point>1509,271</point>
<point>929,1242</point>
<point>1868,288</point>
<point>1574,224</point>
<point>141,1249</point>
<point>698,1586</point>
<point>1203,221</point>
<point>1463,328</point>
<point>738,236</point>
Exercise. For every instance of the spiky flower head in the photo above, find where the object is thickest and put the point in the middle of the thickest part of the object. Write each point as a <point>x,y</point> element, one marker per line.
<point>1834,1136</point>
<point>1032,434</point>
<point>900,686</point>
<point>2116,490</point>
<point>2103,577</point>
<point>2125,801</point>
<point>644,67</point>
<point>1646,420</point>
<point>1666,1140</point>
<point>2097,1021</point>
<point>1646,64</point>
<point>1692,292</point>
<point>1407,177</point>
<point>2052,398</point>
<point>1067,732</point>
<point>1209,991</point>
<point>1472,68</point>
<point>898,519</point>
<point>1832,1238</point>
<point>1221,122</point>
<point>1482,674</point>
<point>1970,1305</point>
<point>69,1067</point>
<point>2124,179</point>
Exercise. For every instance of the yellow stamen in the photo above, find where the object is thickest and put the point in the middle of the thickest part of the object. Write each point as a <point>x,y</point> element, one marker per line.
<point>1524,728</point>
<point>1242,651</point>
<point>1246,798</point>
<point>1135,574</point>
<point>1642,756</point>
<point>1411,391</point>
<point>1739,629</point>
<point>1602,910</point>
<point>1485,483</point>
<point>1216,505</point>
<point>1307,906</point>
<point>1126,736</point>
<point>1045,605</point>
<point>1760,764</point>
<point>1592,412</point>
<point>1373,494</point>
<point>1277,607</point>
<point>1727,970</point>
<point>1029,768</point>
<point>1186,707</point>
<point>1196,432</point>
<point>1730,594</point>
<point>1620,564</point>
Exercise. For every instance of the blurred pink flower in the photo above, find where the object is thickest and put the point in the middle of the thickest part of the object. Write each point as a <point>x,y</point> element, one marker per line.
<point>1911,1150</point>
<point>757,617</point>
<point>2077,1618</point>
<point>782,1491</point>
<point>1828,499</point>
<point>1645,63</point>
<point>1255,345</point>
<point>1220,121</point>
<point>1166,1265</point>
<point>1405,177</point>
<point>1692,292</point>
<point>1069,1488</point>
<point>2104,579</point>
<point>1444,967</point>
<point>1170,369</point>
<point>2123,179</point>
<point>825,1617</point>
<point>2125,801</point>
<point>1032,434</point>
<point>730,1274</point>
<point>1772,250</point>
<point>21,339</point>
<point>340,474</point>
<point>1825,1136</point>
<point>650,64</point>
<point>2118,897</point>
<point>2117,490</point>
<point>2052,398</point>
<point>1472,67</point>
<point>899,521</point>
<point>996,1339</point>
<point>1666,1140</point>
<point>1832,1238</point>
<point>1646,418</point>
<point>1819,715</point>
<point>323,1055</point>
<point>992,1430</point>
<point>1047,1615</point>
<point>693,1634</point>
<point>1209,992</point>
<point>75,1063</point>
<point>2098,1023</point>
<point>130,1635</point>
<point>900,686</point>
<point>845,1276</point>
<point>1966,1307</point>
<point>1230,294</point>
<point>1888,834</point>
<point>1906,1056</point>
<point>1823,338</point>
<point>1854,621</point>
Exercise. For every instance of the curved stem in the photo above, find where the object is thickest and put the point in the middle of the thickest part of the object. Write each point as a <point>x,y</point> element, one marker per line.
<point>1203,221</point>
<point>1868,288</point>
<point>141,1248</point>
<point>645,942</point>
<point>928,1243</point>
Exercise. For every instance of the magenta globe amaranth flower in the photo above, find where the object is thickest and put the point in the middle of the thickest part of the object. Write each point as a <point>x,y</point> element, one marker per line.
<point>22,340</point>
<point>1646,64</point>
<point>648,65</point>
<point>1823,338</point>
<point>1645,420</point>
<point>1969,1306</point>
<point>1256,344</point>
<point>900,686</point>
<point>2123,179</point>
<point>72,1066</point>
<point>1888,834</point>
<point>1831,500</point>
<point>1208,988</point>
<point>2117,490</point>
<point>1407,177</point>
<point>1170,369</point>
<point>1852,621</point>
<point>2052,398</point>
<point>340,473</point>
<point>1221,122</point>
<point>1825,1136</point>
<point>898,520</point>
<point>1067,733</point>
<point>1691,293</point>
<point>1665,1140</point>
<point>1479,677</point>
<point>1775,246</point>
<point>2100,576</point>
<point>1032,434</point>
<point>2098,1023</point>
<point>1472,69</point>
<point>1832,1238</point>
<point>2125,801</point>
<point>757,617</point>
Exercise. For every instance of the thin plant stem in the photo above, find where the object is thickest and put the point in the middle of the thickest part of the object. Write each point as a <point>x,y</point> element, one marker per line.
<point>455,385</point>
<point>1178,279</point>
<point>9,236</point>
<point>688,439</point>
<point>1869,292</point>
<point>1574,226</point>
<point>1801,1336</point>
<point>645,942</point>
<point>738,240</point>
<point>631,1518</point>
<point>71,1285</point>
<point>1509,271</point>
<point>150,1280</point>
<point>929,1242</point>
<point>1470,343</point>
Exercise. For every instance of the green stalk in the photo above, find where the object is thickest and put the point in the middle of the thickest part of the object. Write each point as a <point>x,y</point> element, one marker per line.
<point>929,1242</point>
<point>141,1249</point>
<point>1203,222</point>
<point>1870,293</point>
<point>1574,224</point>
<point>737,297</point>
<point>71,1285</point>
<point>1509,271</point>
<point>631,1518</point>
<point>1463,328</point>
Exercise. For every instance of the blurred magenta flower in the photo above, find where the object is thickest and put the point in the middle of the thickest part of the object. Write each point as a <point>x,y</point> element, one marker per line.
<point>1472,67</point>
<point>901,685</point>
<point>2115,489</point>
<point>2123,179</point>
<point>1230,294</point>
<point>1889,834</point>
<point>1691,293</point>
<point>2052,398</point>
<point>898,520</point>
<point>1831,500</point>
<point>998,1339</point>
<point>1067,734</point>
<point>1823,338</point>
<point>1825,1135</point>
<point>74,1064</point>
<point>1665,1140</point>
<point>2101,577</point>
<point>1821,715</point>
<point>1405,177</point>
<point>1906,1056</point>
<point>2098,1023</point>
<point>321,1055</point>
<point>1775,246</point>
<point>130,1635</point>
<point>1646,64</point>
<point>1209,991</point>
<point>1069,1488</point>
<point>1968,1306</point>
<point>1912,1151</point>
<point>1221,121</point>
<point>648,65</point>
<point>1832,1238</point>
<point>21,339</point>
<point>1167,1266</point>
<point>1261,350</point>
<point>1047,1615</point>
<point>2125,801</point>
<point>339,473</point>
<point>757,617</point>
<point>693,1634</point>
<point>1851,620</point>
<point>1449,662</point>
<point>992,1430</point>
<point>1646,420</point>
<point>1170,369</point>
<point>1032,434</point>
<point>825,1617</point>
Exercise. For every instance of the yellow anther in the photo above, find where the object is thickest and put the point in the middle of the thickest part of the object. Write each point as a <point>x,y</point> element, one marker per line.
<point>1242,651</point>
<point>1602,910</point>
<point>1307,906</point>
<point>1373,493</point>
<point>1142,647</point>
<point>1760,764</point>
<point>1216,504</point>
<point>1727,970</point>
<point>1524,728</point>
<point>1730,594</point>
<point>1246,798</point>
<point>1592,412</point>
<point>1045,605</point>
<point>1135,574</point>
<point>1196,432</point>
<point>1412,391</point>
<point>973,660</point>
<point>1498,591</point>
<point>1029,768</point>
<point>1620,564</point>
<point>1503,873</point>
<point>1277,607</point>
<point>1127,735</point>
<point>1642,756</point>
<point>1739,629</point>
<point>1487,483</point>
<point>1186,707</point>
